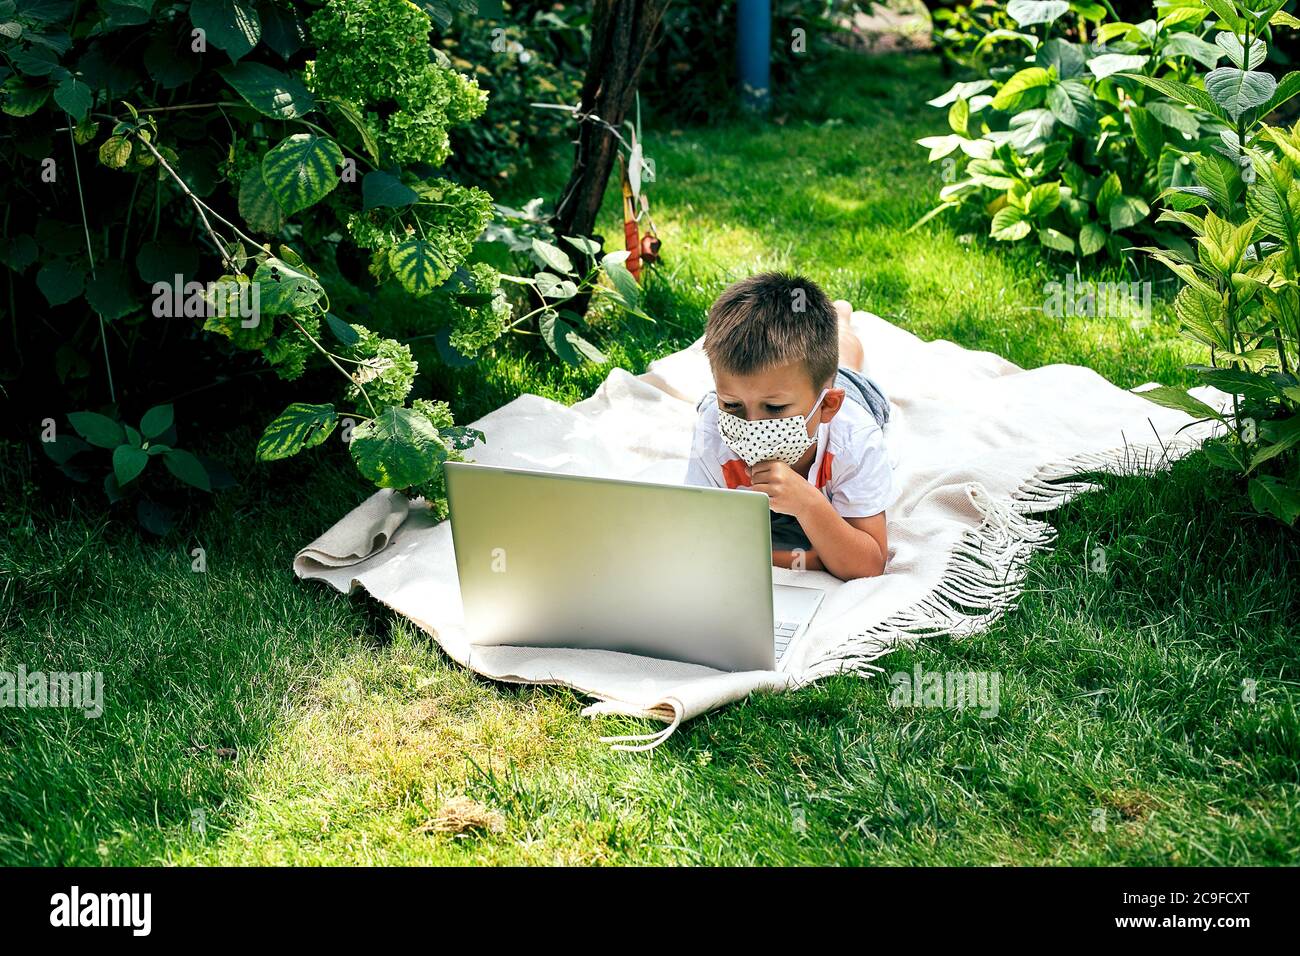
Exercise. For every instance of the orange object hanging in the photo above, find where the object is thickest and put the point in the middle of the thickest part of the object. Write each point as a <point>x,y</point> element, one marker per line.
<point>631,241</point>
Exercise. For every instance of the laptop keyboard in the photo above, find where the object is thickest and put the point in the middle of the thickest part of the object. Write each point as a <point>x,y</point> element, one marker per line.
<point>784,632</point>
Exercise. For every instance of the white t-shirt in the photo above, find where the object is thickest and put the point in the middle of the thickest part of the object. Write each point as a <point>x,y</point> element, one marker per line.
<point>851,467</point>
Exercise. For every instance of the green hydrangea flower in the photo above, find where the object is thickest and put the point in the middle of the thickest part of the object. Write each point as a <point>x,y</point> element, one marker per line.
<point>375,54</point>
<point>387,370</point>
<point>473,329</point>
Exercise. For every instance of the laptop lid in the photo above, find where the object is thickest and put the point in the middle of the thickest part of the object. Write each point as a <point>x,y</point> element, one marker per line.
<point>669,571</point>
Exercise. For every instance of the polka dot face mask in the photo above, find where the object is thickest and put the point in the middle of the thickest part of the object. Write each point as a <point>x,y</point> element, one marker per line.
<point>767,439</point>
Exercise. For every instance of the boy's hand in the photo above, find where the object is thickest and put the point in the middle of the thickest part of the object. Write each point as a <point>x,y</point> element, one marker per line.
<point>788,490</point>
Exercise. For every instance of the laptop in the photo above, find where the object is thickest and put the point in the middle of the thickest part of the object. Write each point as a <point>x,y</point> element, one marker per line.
<point>668,571</point>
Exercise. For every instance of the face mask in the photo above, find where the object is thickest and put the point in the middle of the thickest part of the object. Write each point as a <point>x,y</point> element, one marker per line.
<point>765,439</point>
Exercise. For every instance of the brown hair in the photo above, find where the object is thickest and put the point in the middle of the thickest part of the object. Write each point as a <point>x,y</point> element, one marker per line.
<point>774,318</point>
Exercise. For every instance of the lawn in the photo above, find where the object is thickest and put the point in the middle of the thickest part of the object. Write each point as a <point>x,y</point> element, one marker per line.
<point>1148,714</point>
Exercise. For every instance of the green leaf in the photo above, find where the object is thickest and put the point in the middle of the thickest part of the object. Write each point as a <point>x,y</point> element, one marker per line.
<point>418,265</point>
<point>1023,90</point>
<point>398,449</point>
<point>1225,11</point>
<point>1236,91</point>
<point>1127,211</point>
<point>1108,64</point>
<point>1180,400</point>
<point>959,117</point>
<point>962,90</point>
<point>1148,132</point>
<point>343,331</point>
<point>1073,104</point>
<point>1029,12</point>
<point>1055,239</point>
<point>21,97</point>
<point>460,437</point>
<point>1009,225</point>
<point>1287,87</point>
<point>627,290</point>
<point>18,252</point>
<point>257,204</point>
<point>551,286</point>
<point>1031,130</point>
<point>109,291</point>
<point>74,96</point>
<point>1190,45</point>
<point>1230,44</point>
<point>1043,199</point>
<point>1200,312</point>
<point>380,189</point>
<point>584,245</point>
<point>157,420</point>
<point>128,462</point>
<point>1092,239</point>
<point>563,339</point>
<point>1281,435</point>
<point>1267,200</point>
<point>283,288</point>
<point>115,152</point>
<point>60,282</point>
<point>187,468</point>
<point>1275,497</point>
<point>1219,175</point>
<point>940,146</point>
<point>552,257</point>
<point>1223,456</point>
<point>269,91</point>
<point>301,170</point>
<point>1182,92</point>
<point>1108,193</point>
<point>230,25</point>
<point>1176,117</point>
<point>298,427</point>
<point>100,430</point>
<point>1061,55</point>
<point>358,122</point>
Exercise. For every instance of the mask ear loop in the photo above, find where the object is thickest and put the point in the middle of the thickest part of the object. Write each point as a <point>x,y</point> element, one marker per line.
<point>816,405</point>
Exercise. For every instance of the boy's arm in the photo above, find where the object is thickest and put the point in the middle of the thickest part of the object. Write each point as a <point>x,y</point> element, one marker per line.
<point>846,547</point>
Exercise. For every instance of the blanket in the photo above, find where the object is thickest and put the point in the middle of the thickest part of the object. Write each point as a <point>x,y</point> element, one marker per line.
<point>979,446</point>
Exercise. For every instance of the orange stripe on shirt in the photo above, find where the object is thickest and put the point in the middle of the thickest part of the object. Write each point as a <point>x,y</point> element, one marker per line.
<point>735,473</point>
<point>824,471</point>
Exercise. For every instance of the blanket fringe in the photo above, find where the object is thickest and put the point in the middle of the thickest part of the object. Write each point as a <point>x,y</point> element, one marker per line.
<point>983,577</point>
<point>669,709</point>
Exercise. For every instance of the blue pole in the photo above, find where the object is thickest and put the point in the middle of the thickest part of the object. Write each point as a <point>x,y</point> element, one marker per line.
<point>754,52</point>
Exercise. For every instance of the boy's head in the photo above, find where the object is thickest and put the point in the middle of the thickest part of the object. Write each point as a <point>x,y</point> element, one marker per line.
<point>773,343</point>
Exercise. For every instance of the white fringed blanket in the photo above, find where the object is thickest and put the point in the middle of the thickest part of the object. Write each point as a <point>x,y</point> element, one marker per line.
<point>979,445</point>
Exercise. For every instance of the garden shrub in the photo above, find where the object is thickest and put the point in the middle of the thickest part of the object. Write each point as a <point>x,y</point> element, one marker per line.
<point>1240,296</point>
<point>1066,145</point>
<point>171,214</point>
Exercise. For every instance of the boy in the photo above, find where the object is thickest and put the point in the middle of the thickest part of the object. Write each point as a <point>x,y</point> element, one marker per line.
<point>788,420</point>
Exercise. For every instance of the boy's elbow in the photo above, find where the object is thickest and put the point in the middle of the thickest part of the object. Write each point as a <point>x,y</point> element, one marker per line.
<point>867,562</point>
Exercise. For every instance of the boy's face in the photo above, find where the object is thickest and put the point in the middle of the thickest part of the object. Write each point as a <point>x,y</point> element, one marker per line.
<point>779,391</point>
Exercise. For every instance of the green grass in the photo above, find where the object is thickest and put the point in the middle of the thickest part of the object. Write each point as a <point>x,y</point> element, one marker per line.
<point>251,718</point>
